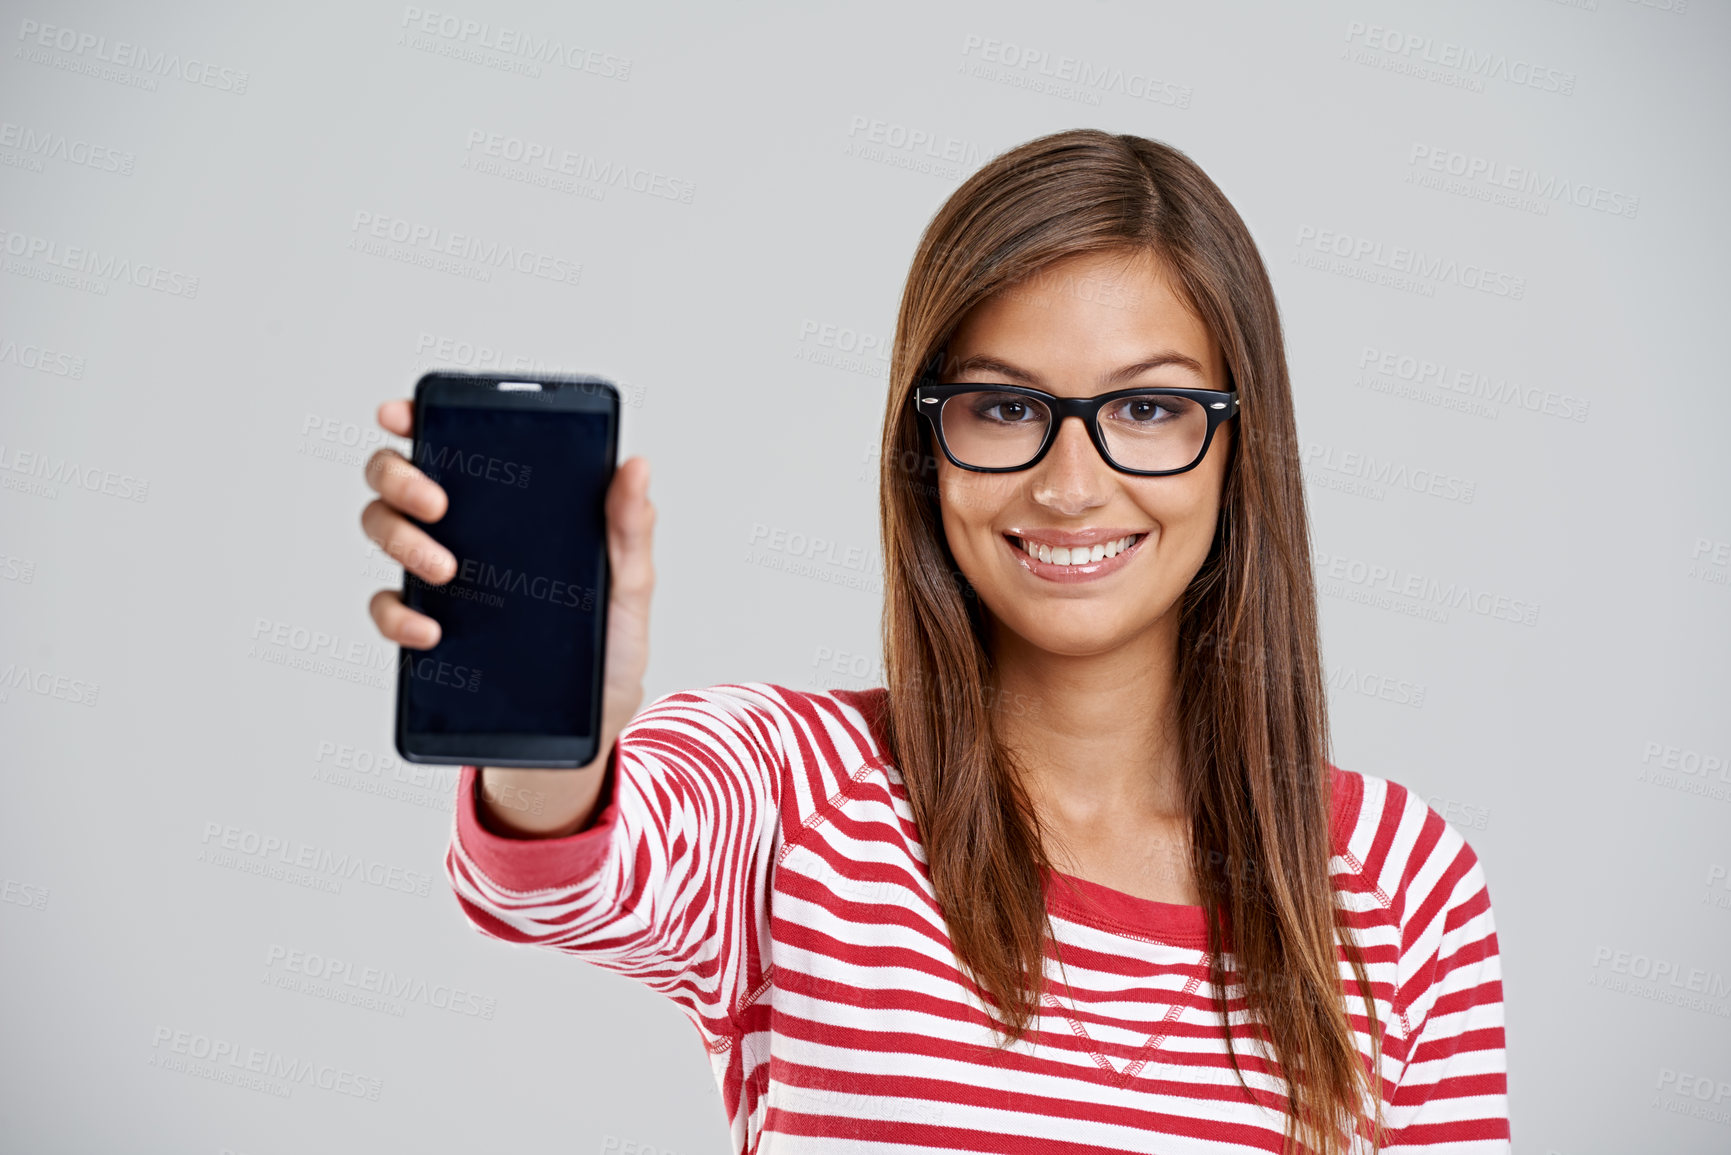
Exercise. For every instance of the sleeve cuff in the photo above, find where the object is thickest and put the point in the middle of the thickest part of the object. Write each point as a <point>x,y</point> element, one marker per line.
<point>526,864</point>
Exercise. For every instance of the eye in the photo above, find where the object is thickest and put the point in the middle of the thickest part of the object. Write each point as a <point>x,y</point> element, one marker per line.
<point>1151,411</point>
<point>1148,410</point>
<point>1007,408</point>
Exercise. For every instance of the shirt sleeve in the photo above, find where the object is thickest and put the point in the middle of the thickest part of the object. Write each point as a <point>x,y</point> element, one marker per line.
<point>669,884</point>
<point>1453,1090</point>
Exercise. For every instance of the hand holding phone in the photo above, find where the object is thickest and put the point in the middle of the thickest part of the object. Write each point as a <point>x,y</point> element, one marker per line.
<point>407,496</point>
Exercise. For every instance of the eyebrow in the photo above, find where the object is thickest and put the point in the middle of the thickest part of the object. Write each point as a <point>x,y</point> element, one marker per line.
<point>986,363</point>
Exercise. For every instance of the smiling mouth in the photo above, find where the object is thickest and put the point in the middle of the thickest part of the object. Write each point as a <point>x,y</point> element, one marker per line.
<point>1077,555</point>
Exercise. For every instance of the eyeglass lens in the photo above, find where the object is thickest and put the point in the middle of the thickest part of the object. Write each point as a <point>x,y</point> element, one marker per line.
<point>1147,430</point>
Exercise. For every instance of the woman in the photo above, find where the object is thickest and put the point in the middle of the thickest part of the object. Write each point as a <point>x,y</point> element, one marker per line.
<point>1081,878</point>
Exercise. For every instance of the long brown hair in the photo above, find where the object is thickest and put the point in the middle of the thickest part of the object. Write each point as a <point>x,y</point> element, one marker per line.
<point>1253,739</point>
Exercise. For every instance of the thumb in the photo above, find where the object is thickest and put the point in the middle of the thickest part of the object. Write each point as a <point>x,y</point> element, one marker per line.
<point>630,524</point>
<point>631,580</point>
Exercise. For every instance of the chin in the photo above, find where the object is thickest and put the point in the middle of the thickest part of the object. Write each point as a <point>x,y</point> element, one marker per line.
<point>1069,636</point>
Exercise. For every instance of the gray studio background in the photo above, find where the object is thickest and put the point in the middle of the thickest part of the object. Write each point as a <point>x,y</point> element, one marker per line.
<point>1498,235</point>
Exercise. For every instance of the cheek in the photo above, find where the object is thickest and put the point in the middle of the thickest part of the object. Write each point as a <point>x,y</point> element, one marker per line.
<point>967,502</point>
<point>1203,506</point>
<point>1187,514</point>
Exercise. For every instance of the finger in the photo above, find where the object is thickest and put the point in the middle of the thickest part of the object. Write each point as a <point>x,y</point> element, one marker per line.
<point>407,543</point>
<point>402,625</point>
<point>630,526</point>
<point>394,478</point>
<point>398,417</point>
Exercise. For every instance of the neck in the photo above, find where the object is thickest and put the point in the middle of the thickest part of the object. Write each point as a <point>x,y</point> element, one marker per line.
<point>1098,742</point>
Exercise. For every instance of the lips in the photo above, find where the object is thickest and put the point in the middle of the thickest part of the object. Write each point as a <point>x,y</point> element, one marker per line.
<point>1075,571</point>
<point>1074,553</point>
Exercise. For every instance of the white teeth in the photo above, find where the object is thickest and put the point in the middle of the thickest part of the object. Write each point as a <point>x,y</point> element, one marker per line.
<point>1077,555</point>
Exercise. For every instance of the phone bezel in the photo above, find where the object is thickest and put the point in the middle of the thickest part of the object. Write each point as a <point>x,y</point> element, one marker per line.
<point>565,392</point>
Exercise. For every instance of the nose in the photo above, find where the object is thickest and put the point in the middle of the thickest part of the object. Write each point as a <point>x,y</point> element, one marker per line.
<point>1072,478</point>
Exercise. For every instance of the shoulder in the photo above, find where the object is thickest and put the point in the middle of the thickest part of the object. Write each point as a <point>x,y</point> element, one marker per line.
<point>1391,843</point>
<point>840,726</point>
<point>808,742</point>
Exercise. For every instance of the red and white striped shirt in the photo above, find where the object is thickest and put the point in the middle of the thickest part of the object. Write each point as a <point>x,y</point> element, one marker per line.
<point>754,858</point>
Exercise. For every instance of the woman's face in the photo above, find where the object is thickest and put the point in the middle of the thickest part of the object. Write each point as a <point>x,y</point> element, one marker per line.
<point>1080,328</point>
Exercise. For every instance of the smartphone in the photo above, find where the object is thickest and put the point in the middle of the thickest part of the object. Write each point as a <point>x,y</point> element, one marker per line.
<point>516,676</point>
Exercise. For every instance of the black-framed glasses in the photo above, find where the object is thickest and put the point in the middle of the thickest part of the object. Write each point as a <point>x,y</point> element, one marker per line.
<point>1150,432</point>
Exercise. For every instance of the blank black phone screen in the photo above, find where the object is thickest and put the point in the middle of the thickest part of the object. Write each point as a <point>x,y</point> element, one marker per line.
<point>518,652</point>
